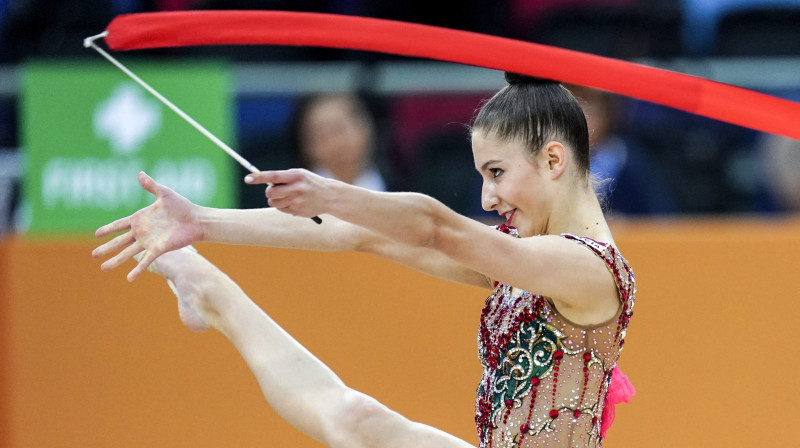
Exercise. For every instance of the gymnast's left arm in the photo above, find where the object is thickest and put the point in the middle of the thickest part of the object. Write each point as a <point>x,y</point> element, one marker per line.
<point>172,222</point>
<point>548,263</point>
<point>409,218</point>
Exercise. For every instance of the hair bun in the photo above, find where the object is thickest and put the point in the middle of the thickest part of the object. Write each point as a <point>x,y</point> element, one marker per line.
<point>516,78</point>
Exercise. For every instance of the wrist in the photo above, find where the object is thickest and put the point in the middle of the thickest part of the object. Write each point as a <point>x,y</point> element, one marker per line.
<point>207,224</point>
<point>334,199</point>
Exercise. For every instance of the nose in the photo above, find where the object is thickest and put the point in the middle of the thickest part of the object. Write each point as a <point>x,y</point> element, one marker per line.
<point>489,200</point>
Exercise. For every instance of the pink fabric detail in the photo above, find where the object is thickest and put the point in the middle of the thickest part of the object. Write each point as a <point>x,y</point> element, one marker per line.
<point>619,391</point>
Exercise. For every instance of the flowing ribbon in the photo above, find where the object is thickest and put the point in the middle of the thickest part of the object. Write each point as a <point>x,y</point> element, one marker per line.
<point>680,91</point>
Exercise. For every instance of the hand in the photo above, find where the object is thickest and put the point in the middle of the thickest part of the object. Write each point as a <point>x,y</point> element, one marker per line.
<point>168,224</point>
<point>297,192</point>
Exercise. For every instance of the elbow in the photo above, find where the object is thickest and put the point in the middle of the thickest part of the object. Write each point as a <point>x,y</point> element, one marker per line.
<point>435,225</point>
<point>428,225</point>
<point>445,231</point>
<point>356,421</point>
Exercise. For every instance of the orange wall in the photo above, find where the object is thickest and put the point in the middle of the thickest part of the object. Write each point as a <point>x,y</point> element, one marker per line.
<point>93,361</point>
<point>5,357</point>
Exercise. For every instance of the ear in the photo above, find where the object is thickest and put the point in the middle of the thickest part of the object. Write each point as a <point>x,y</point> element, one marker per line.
<point>555,156</point>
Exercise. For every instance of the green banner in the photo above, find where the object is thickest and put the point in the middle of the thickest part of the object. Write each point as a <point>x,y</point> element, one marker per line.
<point>88,129</point>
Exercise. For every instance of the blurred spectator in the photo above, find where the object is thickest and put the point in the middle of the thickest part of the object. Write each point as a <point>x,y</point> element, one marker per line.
<point>632,182</point>
<point>780,157</point>
<point>336,137</point>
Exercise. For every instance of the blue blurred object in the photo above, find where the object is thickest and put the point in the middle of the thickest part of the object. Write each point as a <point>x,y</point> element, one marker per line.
<point>126,6</point>
<point>701,19</point>
<point>263,115</point>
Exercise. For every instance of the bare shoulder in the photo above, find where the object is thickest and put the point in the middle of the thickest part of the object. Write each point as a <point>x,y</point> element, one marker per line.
<point>595,295</point>
<point>575,277</point>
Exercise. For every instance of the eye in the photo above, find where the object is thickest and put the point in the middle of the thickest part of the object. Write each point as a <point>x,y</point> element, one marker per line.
<point>496,172</point>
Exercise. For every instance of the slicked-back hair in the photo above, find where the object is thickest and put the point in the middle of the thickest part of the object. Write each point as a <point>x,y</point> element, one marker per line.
<point>537,111</point>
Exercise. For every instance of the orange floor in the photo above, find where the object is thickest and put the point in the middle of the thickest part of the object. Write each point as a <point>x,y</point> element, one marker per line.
<point>89,360</point>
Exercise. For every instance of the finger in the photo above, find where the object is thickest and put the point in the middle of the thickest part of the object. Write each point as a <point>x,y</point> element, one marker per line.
<point>283,197</point>
<point>114,245</point>
<point>144,263</point>
<point>278,191</point>
<point>262,177</point>
<point>114,227</point>
<point>121,257</point>
<point>153,187</point>
<point>290,206</point>
<point>284,209</point>
<point>278,203</point>
<point>274,177</point>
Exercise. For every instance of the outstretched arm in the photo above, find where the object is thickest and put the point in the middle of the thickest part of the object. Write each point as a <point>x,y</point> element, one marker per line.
<point>172,222</point>
<point>299,387</point>
<point>553,266</point>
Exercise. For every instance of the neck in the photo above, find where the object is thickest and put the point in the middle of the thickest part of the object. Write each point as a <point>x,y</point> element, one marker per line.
<point>578,212</point>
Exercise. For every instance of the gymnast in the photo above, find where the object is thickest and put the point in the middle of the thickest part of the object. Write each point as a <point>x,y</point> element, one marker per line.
<point>552,328</point>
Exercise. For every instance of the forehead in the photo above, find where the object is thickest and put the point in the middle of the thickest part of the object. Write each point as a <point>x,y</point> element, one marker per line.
<point>328,108</point>
<point>486,147</point>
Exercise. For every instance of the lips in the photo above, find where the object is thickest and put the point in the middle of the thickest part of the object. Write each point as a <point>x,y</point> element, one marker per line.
<point>509,216</point>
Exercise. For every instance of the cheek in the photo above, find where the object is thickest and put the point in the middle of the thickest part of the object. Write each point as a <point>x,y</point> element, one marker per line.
<point>520,188</point>
<point>528,195</point>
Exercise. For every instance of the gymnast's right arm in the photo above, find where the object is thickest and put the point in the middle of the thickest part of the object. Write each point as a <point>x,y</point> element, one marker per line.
<point>172,222</point>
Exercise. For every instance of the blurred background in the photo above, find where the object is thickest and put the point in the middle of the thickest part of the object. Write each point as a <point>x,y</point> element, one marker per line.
<point>413,112</point>
<point>706,212</point>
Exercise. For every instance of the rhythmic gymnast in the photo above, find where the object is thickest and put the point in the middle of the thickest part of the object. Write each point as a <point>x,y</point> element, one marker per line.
<point>552,328</point>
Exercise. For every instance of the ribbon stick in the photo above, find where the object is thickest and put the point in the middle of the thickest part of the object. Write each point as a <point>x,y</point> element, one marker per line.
<point>699,96</point>
<point>89,43</point>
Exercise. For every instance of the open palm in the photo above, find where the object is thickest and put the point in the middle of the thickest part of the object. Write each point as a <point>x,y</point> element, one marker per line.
<point>168,224</point>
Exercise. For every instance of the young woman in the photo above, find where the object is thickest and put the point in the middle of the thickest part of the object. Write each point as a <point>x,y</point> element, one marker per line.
<point>562,295</point>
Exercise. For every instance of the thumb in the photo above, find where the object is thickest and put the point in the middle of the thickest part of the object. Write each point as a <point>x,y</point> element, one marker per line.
<point>150,185</point>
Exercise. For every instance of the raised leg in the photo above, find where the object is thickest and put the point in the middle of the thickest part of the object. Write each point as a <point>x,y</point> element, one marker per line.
<point>299,387</point>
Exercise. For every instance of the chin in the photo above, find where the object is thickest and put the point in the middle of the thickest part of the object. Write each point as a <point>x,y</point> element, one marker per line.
<point>524,232</point>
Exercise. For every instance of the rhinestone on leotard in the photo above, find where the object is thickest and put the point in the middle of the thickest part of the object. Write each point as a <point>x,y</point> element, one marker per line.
<point>545,379</point>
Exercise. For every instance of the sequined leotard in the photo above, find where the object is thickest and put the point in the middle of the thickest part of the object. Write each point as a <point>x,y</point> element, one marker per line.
<point>545,378</point>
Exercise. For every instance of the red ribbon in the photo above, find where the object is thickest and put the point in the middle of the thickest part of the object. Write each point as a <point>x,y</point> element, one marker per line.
<point>680,91</point>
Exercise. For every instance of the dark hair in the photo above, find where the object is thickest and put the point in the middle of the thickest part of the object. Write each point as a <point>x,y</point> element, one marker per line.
<point>536,111</point>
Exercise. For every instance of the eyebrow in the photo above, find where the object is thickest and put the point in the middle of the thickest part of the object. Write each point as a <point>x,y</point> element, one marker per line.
<point>487,163</point>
